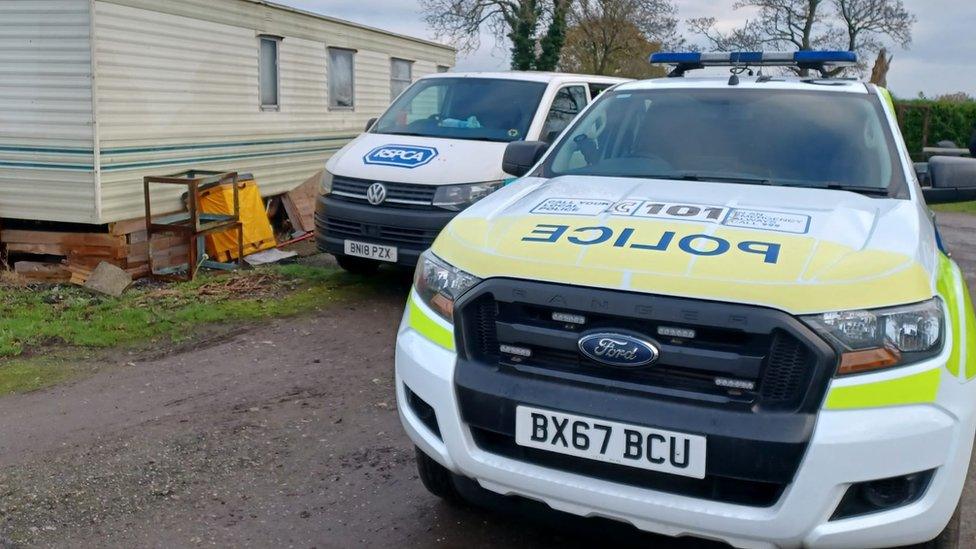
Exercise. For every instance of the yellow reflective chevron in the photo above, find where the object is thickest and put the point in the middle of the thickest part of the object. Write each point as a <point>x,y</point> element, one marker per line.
<point>918,388</point>
<point>955,293</point>
<point>888,99</point>
<point>947,285</point>
<point>423,321</point>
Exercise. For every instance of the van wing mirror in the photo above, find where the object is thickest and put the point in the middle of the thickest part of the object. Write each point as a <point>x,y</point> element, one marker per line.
<point>952,179</point>
<point>369,123</point>
<point>520,156</point>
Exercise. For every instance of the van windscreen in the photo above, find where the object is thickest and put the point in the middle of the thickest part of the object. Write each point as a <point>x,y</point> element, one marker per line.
<point>483,109</point>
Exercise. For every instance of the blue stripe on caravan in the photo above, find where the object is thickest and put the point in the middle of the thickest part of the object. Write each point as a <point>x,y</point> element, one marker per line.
<point>131,150</point>
<point>47,166</point>
<point>45,150</point>
<point>202,159</point>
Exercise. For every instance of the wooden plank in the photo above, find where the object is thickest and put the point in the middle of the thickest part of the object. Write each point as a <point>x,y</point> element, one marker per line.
<point>40,249</point>
<point>300,202</point>
<point>34,270</point>
<point>62,239</point>
<point>128,226</point>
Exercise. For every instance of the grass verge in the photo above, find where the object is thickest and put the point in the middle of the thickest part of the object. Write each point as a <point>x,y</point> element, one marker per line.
<point>960,207</point>
<point>46,329</point>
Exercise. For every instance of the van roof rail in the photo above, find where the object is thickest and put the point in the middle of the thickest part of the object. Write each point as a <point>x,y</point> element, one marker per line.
<point>807,59</point>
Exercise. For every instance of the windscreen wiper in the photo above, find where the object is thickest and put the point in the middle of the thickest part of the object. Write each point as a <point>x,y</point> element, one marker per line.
<point>873,191</point>
<point>685,176</point>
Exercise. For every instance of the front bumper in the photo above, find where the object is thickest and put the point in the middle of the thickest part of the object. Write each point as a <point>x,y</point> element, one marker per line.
<point>846,447</point>
<point>412,231</point>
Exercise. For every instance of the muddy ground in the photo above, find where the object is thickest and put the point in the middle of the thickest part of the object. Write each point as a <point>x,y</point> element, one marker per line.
<point>282,435</point>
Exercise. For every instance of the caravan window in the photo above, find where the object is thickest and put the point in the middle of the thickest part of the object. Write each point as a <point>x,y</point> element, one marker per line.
<point>268,73</point>
<point>341,81</point>
<point>401,76</point>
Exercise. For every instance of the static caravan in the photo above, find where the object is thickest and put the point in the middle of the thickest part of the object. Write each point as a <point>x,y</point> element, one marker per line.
<point>97,94</point>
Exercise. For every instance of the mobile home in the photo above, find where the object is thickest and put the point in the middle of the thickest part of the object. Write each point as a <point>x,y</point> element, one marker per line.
<point>97,94</point>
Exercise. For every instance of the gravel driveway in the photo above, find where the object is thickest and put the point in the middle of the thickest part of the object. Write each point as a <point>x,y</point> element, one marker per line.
<point>284,435</point>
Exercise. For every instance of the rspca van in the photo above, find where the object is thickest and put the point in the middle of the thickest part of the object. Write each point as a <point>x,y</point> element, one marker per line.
<point>437,150</point>
<point>715,307</point>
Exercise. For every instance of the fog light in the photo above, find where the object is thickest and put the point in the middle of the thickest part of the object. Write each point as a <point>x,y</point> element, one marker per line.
<point>882,494</point>
<point>424,411</point>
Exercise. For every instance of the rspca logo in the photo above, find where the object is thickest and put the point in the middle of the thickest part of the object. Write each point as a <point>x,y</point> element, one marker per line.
<point>618,350</point>
<point>400,156</point>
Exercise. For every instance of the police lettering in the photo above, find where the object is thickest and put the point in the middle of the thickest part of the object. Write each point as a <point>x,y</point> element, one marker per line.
<point>694,244</point>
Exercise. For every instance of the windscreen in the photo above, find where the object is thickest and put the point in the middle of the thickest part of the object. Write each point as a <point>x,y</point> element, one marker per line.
<point>773,137</point>
<point>464,108</point>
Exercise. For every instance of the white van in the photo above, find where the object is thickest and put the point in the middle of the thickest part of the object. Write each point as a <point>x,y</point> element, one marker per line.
<point>438,149</point>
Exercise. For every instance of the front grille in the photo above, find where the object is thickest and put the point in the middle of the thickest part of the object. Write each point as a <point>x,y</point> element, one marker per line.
<point>715,488</point>
<point>414,238</point>
<point>397,194</point>
<point>750,380</point>
<point>786,368</point>
<point>774,361</point>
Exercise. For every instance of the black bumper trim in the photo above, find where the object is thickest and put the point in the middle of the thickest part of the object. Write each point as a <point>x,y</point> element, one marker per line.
<point>371,219</point>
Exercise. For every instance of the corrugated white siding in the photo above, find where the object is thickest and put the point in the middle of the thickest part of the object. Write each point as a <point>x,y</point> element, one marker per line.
<point>178,89</point>
<point>46,136</point>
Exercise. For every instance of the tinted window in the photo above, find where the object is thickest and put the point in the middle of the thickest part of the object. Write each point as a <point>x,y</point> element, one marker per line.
<point>773,137</point>
<point>341,84</point>
<point>464,108</point>
<point>568,103</point>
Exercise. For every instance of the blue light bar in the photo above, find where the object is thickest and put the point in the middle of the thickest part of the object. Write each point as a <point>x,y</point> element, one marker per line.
<point>754,58</point>
<point>674,58</point>
<point>828,57</point>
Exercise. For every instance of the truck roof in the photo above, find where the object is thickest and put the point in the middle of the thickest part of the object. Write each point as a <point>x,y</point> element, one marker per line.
<point>532,76</point>
<point>751,82</point>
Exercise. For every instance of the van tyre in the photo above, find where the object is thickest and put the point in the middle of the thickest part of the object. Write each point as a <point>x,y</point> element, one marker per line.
<point>357,265</point>
<point>436,479</point>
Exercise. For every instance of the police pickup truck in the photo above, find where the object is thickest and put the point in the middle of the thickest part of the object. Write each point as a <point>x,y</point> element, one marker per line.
<point>714,307</point>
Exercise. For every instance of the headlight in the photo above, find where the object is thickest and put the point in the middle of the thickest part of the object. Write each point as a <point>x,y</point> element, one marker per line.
<point>882,338</point>
<point>326,185</point>
<point>459,197</point>
<point>440,284</point>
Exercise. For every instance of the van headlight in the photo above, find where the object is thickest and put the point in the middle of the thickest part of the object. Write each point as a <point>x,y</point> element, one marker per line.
<point>326,184</point>
<point>459,197</point>
<point>881,338</point>
<point>439,284</point>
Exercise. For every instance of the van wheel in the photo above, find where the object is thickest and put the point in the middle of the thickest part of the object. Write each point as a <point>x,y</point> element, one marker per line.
<point>949,537</point>
<point>357,265</point>
<point>436,479</point>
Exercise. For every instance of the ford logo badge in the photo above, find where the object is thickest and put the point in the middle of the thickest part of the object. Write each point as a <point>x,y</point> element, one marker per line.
<point>618,350</point>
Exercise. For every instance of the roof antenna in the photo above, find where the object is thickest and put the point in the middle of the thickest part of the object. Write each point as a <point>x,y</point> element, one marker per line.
<point>734,79</point>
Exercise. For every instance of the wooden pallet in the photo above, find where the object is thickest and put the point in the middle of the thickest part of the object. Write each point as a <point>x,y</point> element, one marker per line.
<point>124,245</point>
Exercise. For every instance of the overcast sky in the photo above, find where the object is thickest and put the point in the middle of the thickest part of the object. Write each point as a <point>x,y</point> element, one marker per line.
<point>942,58</point>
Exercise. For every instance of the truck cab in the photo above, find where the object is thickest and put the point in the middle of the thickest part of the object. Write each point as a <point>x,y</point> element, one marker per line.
<point>435,151</point>
<point>715,307</point>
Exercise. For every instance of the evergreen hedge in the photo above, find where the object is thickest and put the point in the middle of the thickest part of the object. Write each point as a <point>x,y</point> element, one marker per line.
<point>948,120</point>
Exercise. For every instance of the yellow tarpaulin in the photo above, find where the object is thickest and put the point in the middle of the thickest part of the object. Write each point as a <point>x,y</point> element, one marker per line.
<point>258,234</point>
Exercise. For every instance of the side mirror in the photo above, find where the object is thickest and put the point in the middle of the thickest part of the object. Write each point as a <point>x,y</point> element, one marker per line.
<point>520,156</point>
<point>953,179</point>
<point>369,123</point>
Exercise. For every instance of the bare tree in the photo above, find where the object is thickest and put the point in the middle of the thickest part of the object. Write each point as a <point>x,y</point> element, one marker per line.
<point>518,21</point>
<point>879,73</point>
<point>614,37</point>
<point>863,26</point>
